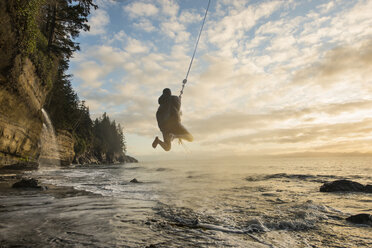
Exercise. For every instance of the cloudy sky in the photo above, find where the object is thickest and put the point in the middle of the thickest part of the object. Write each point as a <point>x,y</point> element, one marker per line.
<point>270,77</point>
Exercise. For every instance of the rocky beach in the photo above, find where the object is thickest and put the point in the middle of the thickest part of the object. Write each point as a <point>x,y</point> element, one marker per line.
<point>256,203</point>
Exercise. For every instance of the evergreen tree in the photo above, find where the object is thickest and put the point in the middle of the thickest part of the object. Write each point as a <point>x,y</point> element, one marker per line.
<point>52,26</point>
<point>109,137</point>
<point>63,21</point>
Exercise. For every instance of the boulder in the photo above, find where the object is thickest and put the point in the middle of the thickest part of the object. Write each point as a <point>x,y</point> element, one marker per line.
<point>360,219</point>
<point>344,185</point>
<point>368,188</point>
<point>129,159</point>
<point>29,183</point>
<point>134,180</point>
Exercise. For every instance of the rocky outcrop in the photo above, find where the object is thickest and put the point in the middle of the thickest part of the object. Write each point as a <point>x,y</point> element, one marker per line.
<point>21,100</point>
<point>86,158</point>
<point>129,159</point>
<point>134,180</point>
<point>365,219</point>
<point>22,96</point>
<point>90,158</point>
<point>345,185</point>
<point>24,85</point>
<point>28,183</point>
<point>65,147</point>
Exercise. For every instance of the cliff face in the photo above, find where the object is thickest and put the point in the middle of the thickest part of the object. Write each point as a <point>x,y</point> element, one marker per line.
<point>65,147</point>
<point>21,98</point>
<point>57,149</point>
<point>27,72</point>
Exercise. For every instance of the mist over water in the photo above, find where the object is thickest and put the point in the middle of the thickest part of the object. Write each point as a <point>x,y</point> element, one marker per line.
<point>205,203</point>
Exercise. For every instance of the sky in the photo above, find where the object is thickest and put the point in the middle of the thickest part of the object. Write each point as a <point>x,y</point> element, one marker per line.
<point>269,77</point>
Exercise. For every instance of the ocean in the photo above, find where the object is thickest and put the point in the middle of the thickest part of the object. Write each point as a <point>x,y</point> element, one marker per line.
<point>260,202</point>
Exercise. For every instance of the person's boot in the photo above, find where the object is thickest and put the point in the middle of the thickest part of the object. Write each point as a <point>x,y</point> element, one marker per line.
<point>156,142</point>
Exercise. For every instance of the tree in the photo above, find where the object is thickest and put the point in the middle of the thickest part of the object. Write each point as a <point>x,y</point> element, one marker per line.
<point>62,22</point>
<point>109,137</point>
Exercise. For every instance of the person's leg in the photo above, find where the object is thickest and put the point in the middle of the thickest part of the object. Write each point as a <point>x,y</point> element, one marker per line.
<point>166,144</point>
<point>155,142</point>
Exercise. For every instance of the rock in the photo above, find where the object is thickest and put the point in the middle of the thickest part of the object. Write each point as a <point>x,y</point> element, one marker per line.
<point>368,188</point>
<point>103,158</point>
<point>22,166</point>
<point>151,246</point>
<point>86,158</point>
<point>343,185</point>
<point>360,219</point>
<point>28,183</point>
<point>23,90</point>
<point>129,159</point>
<point>65,147</point>
<point>22,96</point>
<point>134,181</point>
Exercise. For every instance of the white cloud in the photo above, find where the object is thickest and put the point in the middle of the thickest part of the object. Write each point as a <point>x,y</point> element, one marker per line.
<point>91,74</point>
<point>136,46</point>
<point>169,7</point>
<point>324,8</point>
<point>189,17</point>
<point>140,9</point>
<point>264,73</point>
<point>120,36</point>
<point>175,30</point>
<point>145,25</point>
<point>105,3</point>
<point>98,22</point>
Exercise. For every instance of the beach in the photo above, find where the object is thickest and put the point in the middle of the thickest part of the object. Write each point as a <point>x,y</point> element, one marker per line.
<point>271,202</point>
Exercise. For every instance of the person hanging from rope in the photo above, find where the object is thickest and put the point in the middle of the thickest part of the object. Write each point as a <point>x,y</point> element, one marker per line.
<point>168,117</point>
<point>169,114</point>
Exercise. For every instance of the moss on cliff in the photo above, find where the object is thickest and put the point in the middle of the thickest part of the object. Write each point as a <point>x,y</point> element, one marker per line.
<point>25,21</point>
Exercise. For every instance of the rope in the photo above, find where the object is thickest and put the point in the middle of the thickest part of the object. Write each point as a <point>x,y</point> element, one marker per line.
<point>196,46</point>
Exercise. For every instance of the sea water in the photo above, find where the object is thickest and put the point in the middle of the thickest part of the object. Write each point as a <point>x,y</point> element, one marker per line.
<point>261,202</point>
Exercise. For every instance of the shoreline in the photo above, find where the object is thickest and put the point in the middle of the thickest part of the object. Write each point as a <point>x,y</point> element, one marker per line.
<point>9,177</point>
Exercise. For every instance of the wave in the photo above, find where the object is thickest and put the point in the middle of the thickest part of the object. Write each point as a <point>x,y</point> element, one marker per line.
<point>293,217</point>
<point>304,177</point>
<point>300,217</point>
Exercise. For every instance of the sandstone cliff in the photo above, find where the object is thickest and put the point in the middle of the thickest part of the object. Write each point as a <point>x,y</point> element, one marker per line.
<point>21,99</point>
<point>22,95</point>
<point>27,73</point>
<point>65,147</point>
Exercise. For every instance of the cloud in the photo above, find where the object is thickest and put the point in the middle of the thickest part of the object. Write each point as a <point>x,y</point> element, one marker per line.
<point>144,24</point>
<point>91,74</point>
<point>120,36</point>
<point>307,134</point>
<point>136,46</point>
<point>239,121</point>
<point>241,20</point>
<point>175,30</point>
<point>98,22</point>
<point>324,8</point>
<point>106,3</point>
<point>188,17</point>
<point>109,56</point>
<point>169,7</point>
<point>140,9</point>
<point>339,64</point>
<point>269,76</point>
